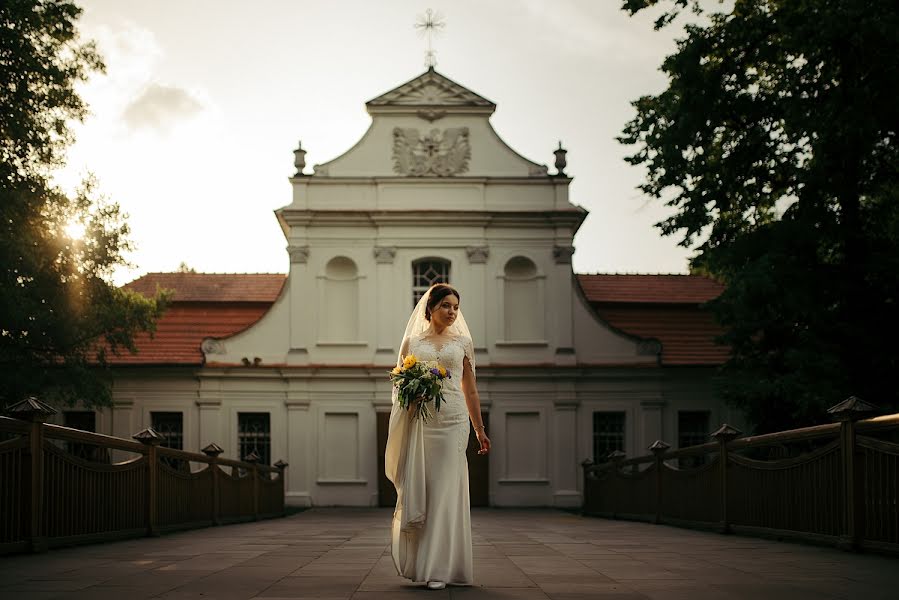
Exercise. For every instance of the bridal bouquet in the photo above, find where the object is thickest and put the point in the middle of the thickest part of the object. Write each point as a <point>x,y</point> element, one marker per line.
<point>419,383</point>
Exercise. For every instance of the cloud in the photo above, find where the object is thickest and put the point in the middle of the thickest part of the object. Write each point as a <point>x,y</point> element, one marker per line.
<point>159,106</point>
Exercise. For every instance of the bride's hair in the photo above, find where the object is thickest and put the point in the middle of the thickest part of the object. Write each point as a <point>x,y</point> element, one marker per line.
<point>438,292</point>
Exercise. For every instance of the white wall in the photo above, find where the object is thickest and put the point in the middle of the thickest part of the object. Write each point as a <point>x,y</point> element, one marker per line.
<point>353,231</point>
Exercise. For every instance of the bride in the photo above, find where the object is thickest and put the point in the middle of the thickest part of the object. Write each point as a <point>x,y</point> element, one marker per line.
<point>431,534</point>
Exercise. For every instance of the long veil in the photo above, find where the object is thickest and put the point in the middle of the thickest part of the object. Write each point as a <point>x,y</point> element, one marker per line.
<point>404,458</point>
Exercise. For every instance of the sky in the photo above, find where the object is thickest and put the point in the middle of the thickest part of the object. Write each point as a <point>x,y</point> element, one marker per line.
<point>193,126</point>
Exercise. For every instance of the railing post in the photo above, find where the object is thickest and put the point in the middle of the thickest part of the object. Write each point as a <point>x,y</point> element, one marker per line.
<point>724,435</point>
<point>616,457</point>
<point>847,412</point>
<point>585,467</point>
<point>658,449</point>
<point>150,438</point>
<point>36,412</point>
<point>213,451</point>
<point>281,465</point>
<point>254,459</point>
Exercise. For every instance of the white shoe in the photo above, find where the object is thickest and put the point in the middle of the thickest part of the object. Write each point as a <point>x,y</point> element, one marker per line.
<point>436,585</point>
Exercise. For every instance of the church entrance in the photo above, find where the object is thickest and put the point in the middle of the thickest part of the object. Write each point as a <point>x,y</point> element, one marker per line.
<point>478,473</point>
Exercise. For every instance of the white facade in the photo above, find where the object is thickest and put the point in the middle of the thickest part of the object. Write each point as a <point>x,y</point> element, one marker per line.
<point>429,180</point>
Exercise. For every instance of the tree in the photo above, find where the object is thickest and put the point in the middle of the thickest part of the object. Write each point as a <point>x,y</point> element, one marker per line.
<point>59,312</point>
<point>775,146</point>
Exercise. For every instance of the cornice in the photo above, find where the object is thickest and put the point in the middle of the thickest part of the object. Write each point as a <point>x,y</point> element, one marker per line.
<point>342,218</point>
<point>418,109</point>
<point>544,180</point>
<point>465,218</point>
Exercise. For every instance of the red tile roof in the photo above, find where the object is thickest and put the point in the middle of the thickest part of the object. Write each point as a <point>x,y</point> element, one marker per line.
<point>662,307</point>
<point>183,327</point>
<point>650,289</point>
<point>203,305</point>
<point>687,333</point>
<point>213,287</point>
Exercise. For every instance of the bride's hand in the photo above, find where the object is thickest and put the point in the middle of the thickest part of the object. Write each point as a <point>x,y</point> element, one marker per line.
<point>484,441</point>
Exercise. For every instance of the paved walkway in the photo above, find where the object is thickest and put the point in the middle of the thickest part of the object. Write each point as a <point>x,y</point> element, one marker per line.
<point>526,554</point>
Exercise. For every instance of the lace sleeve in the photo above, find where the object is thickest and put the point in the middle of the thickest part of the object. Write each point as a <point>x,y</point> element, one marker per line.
<point>468,347</point>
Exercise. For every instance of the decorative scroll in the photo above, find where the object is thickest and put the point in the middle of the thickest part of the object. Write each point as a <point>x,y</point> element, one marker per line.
<point>436,154</point>
<point>563,254</point>
<point>298,254</point>
<point>431,114</point>
<point>649,348</point>
<point>477,254</point>
<point>385,254</point>
<point>212,346</point>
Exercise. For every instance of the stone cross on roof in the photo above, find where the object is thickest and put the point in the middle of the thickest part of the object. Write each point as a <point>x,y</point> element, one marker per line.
<point>428,25</point>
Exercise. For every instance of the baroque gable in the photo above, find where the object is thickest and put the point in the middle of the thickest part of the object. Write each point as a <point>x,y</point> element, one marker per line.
<point>429,127</point>
<point>430,91</point>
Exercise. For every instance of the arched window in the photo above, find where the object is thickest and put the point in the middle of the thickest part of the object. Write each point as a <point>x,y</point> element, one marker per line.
<point>425,273</point>
<point>340,302</point>
<point>522,301</point>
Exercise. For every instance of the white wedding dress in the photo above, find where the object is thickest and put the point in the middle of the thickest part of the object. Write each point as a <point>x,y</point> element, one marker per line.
<point>431,536</point>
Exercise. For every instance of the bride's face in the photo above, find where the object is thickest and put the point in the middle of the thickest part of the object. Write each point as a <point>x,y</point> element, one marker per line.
<point>444,314</point>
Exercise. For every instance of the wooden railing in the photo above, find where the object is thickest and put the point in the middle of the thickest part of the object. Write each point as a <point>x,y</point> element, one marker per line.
<point>61,486</point>
<point>836,483</point>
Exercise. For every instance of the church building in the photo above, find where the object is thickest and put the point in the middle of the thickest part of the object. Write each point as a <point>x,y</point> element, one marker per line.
<point>569,367</point>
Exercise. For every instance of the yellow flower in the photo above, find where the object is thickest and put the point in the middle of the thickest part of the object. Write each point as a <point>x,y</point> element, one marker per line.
<point>409,361</point>
<point>442,370</point>
<point>397,370</point>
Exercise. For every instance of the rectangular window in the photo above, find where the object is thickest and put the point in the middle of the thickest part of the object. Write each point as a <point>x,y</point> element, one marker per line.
<point>608,434</point>
<point>692,430</point>
<point>254,433</point>
<point>171,426</point>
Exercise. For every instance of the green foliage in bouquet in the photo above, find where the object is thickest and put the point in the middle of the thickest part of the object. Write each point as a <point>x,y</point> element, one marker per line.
<point>418,383</point>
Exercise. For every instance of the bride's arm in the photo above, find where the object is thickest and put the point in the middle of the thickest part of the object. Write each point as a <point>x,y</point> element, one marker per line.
<point>473,402</point>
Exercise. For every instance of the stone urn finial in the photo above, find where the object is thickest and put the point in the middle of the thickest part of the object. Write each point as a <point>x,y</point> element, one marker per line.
<point>299,159</point>
<point>561,162</point>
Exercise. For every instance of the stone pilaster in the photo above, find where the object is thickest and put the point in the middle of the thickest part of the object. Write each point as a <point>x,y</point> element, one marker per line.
<point>301,294</point>
<point>476,314</point>
<point>651,422</point>
<point>210,422</point>
<point>384,259</point>
<point>299,430</point>
<point>566,469</point>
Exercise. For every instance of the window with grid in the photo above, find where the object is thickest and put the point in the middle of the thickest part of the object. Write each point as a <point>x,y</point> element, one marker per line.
<point>692,430</point>
<point>254,432</point>
<point>608,434</point>
<point>426,273</point>
<point>692,427</point>
<point>169,425</point>
<point>85,420</point>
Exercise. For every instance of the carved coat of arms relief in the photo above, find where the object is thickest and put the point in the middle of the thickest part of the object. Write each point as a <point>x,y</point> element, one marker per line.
<point>437,153</point>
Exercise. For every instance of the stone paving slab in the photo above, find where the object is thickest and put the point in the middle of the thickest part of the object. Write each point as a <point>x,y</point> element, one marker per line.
<point>343,554</point>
